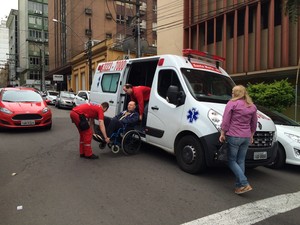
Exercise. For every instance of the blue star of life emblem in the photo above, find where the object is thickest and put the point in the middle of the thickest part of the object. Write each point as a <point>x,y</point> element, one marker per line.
<point>193,115</point>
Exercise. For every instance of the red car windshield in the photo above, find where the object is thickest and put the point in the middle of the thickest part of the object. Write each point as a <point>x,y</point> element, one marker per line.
<point>21,96</point>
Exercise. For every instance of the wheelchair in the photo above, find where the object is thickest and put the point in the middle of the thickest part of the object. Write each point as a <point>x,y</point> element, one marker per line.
<point>129,141</point>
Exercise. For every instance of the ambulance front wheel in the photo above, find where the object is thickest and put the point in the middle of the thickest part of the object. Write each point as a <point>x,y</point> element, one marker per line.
<point>189,155</point>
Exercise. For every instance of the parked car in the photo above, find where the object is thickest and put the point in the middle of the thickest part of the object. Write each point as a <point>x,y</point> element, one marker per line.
<point>51,96</point>
<point>22,108</point>
<point>65,99</point>
<point>288,135</point>
<point>82,97</point>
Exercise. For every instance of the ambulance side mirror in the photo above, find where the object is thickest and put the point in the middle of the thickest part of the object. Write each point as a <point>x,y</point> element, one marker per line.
<point>175,96</point>
<point>181,98</point>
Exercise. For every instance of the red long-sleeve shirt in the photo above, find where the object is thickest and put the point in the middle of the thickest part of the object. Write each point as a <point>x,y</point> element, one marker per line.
<point>90,111</point>
<point>140,94</point>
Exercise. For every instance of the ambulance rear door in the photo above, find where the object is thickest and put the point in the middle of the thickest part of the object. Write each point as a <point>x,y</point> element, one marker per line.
<point>109,85</point>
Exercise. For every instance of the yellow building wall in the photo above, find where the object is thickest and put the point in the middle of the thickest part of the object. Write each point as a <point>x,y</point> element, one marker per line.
<point>79,79</point>
<point>169,28</point>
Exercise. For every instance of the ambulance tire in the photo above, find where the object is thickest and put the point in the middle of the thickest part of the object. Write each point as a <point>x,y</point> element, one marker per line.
<point>279,161</point>
<point>190,155</point>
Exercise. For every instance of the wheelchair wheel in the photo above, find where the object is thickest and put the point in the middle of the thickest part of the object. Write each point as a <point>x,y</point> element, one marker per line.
<point>115,149</point>
<point>131,142</point>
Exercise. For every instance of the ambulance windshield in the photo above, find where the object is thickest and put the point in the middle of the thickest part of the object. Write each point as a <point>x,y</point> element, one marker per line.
<point>208,86</point>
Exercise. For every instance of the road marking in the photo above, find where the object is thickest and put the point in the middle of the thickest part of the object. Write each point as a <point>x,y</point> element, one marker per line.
<point>252,212</point>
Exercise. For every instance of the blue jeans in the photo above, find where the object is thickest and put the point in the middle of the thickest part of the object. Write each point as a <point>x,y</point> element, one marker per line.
<point>237,150</point>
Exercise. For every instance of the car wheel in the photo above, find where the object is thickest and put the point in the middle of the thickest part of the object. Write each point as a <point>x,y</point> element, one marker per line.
<point>280,158</point>
<point>190,155</point>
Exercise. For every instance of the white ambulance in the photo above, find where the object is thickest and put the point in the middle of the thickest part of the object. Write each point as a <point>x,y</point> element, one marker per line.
<point>187,100</point>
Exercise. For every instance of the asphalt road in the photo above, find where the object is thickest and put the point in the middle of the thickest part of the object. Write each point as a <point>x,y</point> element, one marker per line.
<point>44,182</point>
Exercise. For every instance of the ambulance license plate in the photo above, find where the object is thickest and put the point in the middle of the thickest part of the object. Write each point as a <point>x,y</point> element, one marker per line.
<point>27,122</point>
<point>260,155</point>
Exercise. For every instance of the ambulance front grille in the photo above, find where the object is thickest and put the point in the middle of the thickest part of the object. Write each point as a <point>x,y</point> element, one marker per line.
<point>263,139</point>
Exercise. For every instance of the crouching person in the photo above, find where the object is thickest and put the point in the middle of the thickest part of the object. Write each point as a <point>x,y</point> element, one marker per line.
<point>83,117</point>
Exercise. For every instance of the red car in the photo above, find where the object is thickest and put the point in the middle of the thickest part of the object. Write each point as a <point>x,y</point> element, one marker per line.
<point>23,107</point>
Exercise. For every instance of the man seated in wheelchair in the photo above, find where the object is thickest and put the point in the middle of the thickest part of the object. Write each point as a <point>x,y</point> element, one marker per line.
<point>125,120</point>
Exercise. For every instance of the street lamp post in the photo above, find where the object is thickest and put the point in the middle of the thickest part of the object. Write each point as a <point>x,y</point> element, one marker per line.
<point>89,45</point>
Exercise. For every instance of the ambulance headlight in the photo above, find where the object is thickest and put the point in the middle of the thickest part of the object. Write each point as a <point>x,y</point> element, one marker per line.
<point>215,118</point>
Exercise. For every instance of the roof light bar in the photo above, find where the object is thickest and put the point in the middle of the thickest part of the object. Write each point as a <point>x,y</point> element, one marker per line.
<point>192,52</point>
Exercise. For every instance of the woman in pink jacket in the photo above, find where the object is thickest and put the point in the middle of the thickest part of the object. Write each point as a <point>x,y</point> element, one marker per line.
<point>238,127</point>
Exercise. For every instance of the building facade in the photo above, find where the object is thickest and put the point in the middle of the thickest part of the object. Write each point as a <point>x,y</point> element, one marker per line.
<point>255,36</point>
<point>3,43</point>
<point>4,65</point>
<point>33,43</point>
<point>79,25</point>
<point>13,52</point>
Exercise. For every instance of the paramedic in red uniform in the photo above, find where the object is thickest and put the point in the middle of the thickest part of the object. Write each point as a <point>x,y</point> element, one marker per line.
<point>139,94</point>
<point>91,112</point>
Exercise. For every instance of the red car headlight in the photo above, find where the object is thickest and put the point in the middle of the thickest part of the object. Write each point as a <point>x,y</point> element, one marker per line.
<point>5,110</point>
<point>45,110</point>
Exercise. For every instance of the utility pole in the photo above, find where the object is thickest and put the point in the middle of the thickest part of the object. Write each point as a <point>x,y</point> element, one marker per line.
<point>138,46</point>
<point>42,74</point>
<point>137,26</point>
<point>43,86</point>
<point>41,70</point>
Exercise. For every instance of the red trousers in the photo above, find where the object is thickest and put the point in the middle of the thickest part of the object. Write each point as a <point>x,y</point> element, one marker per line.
<point>85,136</point>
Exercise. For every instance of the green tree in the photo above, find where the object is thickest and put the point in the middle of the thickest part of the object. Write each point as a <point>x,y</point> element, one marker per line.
<point>291,8</point>
<point>278,95</point>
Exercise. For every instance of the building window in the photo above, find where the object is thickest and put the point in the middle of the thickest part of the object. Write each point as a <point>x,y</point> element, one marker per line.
<point>120,19</point>
<point>35,7</point>
<point>154,43</point>
<point>35,20</point>
<point>210,32</point>
<point>264,15</point>
<point>35,34</point>
<point>46,61</point>
<point>241,22</point>
<point>277,13</point>
<point>39,21</point>
<point>34,75</point>
<point>45,22</point>
<point>154,26</point>
<point>34,61</point>
<point>109,35</point>
<point>251,19</point>
<point>45,8</point>
<point>155,9</point>
<point>143,24</point>
<point>230,25</point>
<point>120,37</point>
<point>219,31</point>
<point>31,19</point>
<point>108,16</point>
